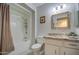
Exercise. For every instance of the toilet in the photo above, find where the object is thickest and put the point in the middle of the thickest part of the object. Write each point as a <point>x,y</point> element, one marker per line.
<point>37,48</point>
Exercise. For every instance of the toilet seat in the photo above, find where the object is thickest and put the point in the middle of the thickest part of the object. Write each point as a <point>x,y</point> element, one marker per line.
<point>38,45</point>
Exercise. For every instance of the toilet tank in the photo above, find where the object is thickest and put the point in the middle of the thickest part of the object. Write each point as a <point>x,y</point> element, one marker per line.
<point>40,39</point>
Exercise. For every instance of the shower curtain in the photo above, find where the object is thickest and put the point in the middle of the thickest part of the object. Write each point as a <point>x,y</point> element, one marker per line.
<point>6,43</point>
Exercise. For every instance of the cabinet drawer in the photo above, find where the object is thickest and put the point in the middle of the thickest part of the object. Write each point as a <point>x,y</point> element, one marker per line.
<point>69,51</point>
<point>54,42</point>
<point>71,44</point>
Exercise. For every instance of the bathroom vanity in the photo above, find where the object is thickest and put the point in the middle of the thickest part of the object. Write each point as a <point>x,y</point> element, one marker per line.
<point>57,44</point>
<point>61,46</point>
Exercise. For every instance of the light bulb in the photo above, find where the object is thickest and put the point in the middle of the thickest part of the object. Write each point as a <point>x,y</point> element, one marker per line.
<point>54,9</point>
<point>64,5</point>
<point>58,7</point>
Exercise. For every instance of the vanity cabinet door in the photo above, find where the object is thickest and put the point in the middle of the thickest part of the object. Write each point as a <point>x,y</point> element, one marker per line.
<point>51,50</point>
<point>69,51</point>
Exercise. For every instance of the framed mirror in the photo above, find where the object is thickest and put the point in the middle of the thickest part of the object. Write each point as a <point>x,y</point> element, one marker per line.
<point>61,20</point>
<point>78,18</point>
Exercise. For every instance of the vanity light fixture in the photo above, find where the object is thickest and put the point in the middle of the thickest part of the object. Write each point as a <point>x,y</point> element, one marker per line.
<point>59,7</point>
<point>62,6</point>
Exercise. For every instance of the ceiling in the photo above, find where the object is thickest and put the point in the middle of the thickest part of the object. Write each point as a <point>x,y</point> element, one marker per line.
<point>37,4</point>
<point>34,5</point>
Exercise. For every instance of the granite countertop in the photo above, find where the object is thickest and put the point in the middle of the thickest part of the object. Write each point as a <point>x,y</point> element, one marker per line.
<point>62,37</point>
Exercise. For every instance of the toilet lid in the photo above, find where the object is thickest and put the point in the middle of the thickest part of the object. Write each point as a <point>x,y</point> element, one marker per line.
<point>36,46</point>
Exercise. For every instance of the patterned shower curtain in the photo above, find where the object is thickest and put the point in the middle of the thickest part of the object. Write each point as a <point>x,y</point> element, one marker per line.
<point>6,43</point>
